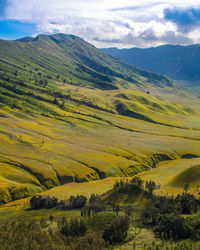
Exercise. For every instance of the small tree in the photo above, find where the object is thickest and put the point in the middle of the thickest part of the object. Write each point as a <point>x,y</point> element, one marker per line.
<point>117,209</point>
<point>129,210</point>
<point>51,218</point>
<point>62,105</point>
<point>65,229</point>
<point>151,186</point>
<point>186,187</point>
<point>56,102</point>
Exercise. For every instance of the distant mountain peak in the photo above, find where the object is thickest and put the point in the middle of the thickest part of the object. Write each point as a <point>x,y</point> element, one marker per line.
<point>176,61</point>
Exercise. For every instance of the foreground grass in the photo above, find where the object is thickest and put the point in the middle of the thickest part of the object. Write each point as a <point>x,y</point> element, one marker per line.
<point>139,237</point>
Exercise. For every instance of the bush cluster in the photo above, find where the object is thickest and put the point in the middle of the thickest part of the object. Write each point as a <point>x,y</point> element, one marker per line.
<point>117,231</point>
<point>74,228</point>
<point>164,213</point>
<point>38,202</point>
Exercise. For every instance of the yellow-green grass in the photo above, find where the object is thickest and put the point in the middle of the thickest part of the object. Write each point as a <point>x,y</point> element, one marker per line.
<point>21,207</point>
<point>191,175</point>
<point>173,175</point>
<point>85,188</point>
<point>144,238</point>
<point>85,144</point>
<point>137,237</point>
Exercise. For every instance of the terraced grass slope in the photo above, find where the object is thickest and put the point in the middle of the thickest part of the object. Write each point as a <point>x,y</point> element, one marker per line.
<point>60,124</point>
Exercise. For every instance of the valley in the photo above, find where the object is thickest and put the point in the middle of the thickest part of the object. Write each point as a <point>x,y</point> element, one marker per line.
<point>178,62</point>
<point>86,145</point>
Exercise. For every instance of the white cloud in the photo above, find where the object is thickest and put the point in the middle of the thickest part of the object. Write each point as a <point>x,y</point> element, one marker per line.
<point>105,23</point>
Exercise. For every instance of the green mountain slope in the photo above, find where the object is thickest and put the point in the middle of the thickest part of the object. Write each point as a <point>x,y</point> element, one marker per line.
<point>70,58</point>
<point>176,61</point>
<point>68,112</point>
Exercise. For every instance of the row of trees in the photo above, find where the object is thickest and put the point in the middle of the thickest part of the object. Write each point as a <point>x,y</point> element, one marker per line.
<point>137,183</point>
<point>94,206</point>
<point>38,201</point>
<point>73,202</point>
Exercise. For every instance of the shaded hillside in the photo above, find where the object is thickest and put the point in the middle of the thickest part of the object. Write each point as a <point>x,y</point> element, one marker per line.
<point>175,61</point>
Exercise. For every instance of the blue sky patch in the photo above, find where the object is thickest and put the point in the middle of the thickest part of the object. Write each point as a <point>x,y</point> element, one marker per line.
<point>11,30</point>
<point>2,8</point>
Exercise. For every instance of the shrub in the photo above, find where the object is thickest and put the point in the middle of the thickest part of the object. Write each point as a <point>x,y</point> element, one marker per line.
<point>173,226</point>
<point>75,228</point>
<point>117,231</point>
<point>38,202</point>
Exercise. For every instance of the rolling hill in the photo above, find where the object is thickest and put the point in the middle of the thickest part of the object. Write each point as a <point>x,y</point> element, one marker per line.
<point>176,61</point>
<point>70,113</point>
<point>173,175</point>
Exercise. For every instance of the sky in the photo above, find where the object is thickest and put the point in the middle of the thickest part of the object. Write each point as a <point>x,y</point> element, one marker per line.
<point>104,23</point>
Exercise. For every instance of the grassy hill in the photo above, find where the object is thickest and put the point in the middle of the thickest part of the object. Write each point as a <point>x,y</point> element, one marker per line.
<point>70,113</point>
<point>173,175</point>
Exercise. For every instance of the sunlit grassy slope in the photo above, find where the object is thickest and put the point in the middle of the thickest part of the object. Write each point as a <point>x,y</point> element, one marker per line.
<point>82,144</point>
<point>173,175</point>
<point>54,130</point>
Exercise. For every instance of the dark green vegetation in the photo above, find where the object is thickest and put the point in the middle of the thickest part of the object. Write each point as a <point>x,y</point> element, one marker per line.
<point>104,224</point>
<point>37,202</point>
<point>164,213</point>
<point>175,61</point>
<point>43,234</point>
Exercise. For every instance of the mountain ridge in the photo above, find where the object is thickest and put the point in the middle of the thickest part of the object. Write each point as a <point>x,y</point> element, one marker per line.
<point>176,61</point>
